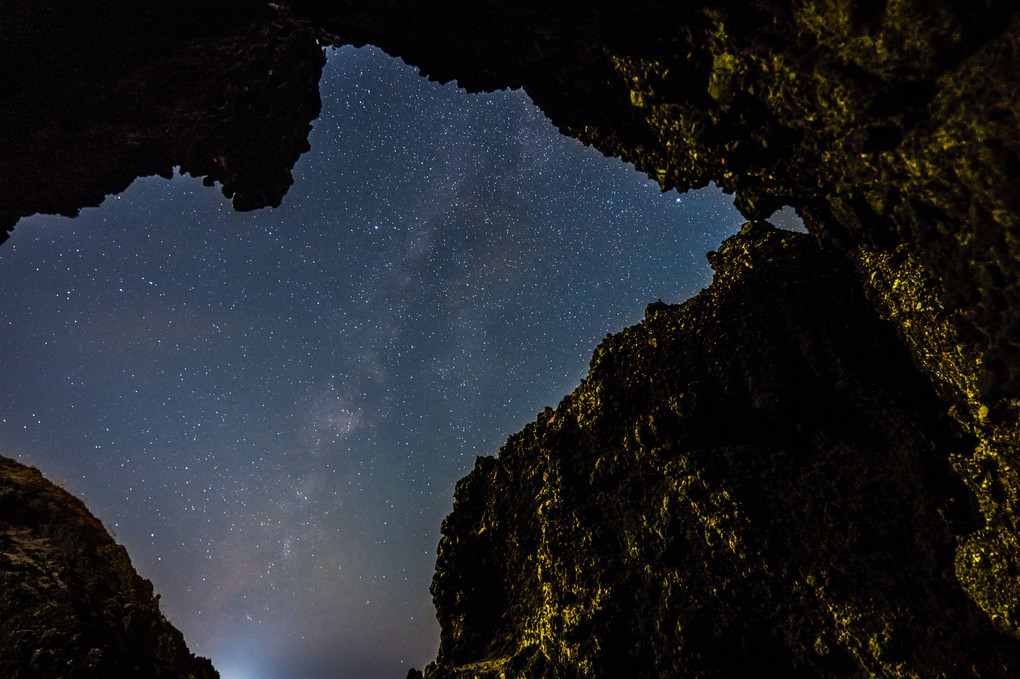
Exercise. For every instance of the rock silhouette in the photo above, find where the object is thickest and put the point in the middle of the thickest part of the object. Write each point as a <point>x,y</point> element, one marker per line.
<point>72,604</point>
<point>756,481</point>
<point>810,468</point>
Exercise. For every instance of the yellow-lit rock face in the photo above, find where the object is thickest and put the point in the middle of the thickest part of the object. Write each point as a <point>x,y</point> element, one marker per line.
<point>893,128</point>
<point>757,481</point>
<point>988,559</point>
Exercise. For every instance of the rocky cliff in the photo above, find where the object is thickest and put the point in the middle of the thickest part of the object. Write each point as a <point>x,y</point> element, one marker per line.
<point>72,605</point>
<point>813,466</point>
<point>756,481</point>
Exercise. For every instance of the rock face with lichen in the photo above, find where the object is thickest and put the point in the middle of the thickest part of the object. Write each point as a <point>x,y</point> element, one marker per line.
<point>814,465</point>
<point>891,127</point>
<point>757,481</point>
<point>71,605</point>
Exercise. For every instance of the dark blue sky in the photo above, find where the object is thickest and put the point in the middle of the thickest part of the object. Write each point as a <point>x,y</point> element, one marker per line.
<point>271,409</point>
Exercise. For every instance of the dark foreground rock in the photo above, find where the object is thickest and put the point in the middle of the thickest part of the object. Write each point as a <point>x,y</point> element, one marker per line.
<point>71,605</point>
<point>755,483</point>
<point>224,91</point>
<point>819,472</point>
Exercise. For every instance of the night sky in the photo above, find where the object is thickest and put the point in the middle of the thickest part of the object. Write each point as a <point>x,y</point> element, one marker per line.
<point>270,410</point>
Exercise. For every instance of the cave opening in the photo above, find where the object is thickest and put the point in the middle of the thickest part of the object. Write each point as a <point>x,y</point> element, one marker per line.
<point>788,219</point>
<point>271,409</point>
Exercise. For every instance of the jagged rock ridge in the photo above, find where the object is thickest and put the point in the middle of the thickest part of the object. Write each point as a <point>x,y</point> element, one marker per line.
<point>72,605</point>
<point>757,481</point>
<point>887,127</point>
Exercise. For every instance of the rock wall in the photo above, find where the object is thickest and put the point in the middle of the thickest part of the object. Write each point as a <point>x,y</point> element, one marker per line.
<point>72,605</point>
<point>757,481</point>
<point>96,95</point>
<point>891,128</point>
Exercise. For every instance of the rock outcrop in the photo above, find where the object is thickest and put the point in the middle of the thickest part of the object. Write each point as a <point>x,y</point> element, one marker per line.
<point>96,95</point>
<point>756,482</point>
<point>875,496</point>
<point>71,605</point>
<point>891,128</point>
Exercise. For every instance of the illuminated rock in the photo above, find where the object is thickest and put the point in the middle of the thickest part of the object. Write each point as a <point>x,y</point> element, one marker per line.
<point>757,482</point>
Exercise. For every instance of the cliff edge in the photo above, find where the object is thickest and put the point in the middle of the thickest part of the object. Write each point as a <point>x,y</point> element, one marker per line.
<point>72,605</point>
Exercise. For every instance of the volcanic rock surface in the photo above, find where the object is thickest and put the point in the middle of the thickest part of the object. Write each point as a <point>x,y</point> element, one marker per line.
<point>812,467</point>
<point>71,604</point>
<point>756,481</point>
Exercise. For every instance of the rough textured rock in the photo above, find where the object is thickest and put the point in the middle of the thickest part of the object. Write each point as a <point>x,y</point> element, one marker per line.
<point>71,605</point>
<point>229,98</point>
<point>890,126</point>
<point>755,483</point>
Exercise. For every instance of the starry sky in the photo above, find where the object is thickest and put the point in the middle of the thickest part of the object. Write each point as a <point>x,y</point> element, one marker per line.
<point>270,410</point>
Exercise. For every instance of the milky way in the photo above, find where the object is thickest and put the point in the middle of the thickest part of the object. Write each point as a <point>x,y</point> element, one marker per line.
<point>270,410</point>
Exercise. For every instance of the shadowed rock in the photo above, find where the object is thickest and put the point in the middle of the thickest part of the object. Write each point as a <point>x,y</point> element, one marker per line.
<point>754,483</point>
<point>71,604</point>
<point>799,471</point>
<point>101,94</point>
